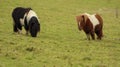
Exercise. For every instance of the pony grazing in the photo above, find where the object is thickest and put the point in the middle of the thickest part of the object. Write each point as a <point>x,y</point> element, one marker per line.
<point>25,17</point>
<point>90,24</point>
<point>32,24</point>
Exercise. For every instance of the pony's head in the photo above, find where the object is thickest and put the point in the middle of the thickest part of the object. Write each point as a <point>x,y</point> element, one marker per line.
<point>81,21</point>
<point>34,26</point>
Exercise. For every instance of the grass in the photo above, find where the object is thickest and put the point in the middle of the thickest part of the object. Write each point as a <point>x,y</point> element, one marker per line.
<point>60,43</point>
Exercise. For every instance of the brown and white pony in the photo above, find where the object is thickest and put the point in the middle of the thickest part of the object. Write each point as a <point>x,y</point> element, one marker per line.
<point>90,24</point>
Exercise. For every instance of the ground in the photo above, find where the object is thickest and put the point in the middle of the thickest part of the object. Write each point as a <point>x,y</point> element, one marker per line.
<point>60,43</point>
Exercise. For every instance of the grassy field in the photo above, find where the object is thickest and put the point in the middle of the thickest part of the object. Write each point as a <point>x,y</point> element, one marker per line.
<point>60,43</point>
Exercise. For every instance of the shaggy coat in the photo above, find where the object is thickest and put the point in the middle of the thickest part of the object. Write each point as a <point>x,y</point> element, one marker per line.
<point>90,24</point>
<point>32,23</point>
<point>20,19</point>
<point>18,16</point>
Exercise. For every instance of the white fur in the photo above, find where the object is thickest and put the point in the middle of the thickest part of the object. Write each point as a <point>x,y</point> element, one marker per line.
<point>22,19</point>
<point>31,14</point>
<point>93,19</point>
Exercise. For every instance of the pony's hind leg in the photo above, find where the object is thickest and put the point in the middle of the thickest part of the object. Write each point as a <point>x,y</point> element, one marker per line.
<point>19,28</point>
<point>93,35</point>
<point>88,36</point>
<point>15,28</point>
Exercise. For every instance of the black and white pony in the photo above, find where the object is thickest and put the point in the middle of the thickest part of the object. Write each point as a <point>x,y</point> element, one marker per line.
<point>25,17</point>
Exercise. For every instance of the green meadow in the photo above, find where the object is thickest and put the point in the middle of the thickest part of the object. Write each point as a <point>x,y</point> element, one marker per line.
<point>60,43</point>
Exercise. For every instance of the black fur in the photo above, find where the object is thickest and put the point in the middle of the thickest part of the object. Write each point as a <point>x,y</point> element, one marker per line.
<point>16,15</point>
<point>33,26</point>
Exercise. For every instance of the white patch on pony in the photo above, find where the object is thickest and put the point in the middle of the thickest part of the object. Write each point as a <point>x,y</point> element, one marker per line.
<point>22,19</point>
<point>31,14</point>
<point>93,19</point>
<point>19,31</point>
<point>88,36</point>
<point>87,14</point>
<point>79,24</point>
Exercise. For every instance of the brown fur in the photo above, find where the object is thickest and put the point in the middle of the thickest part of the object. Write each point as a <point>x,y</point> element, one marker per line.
<point>85,24</point>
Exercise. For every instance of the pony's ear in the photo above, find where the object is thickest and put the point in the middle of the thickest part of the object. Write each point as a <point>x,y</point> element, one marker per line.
<point>78,19</point>
<point>28,9</point>
<point>84,18</point>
